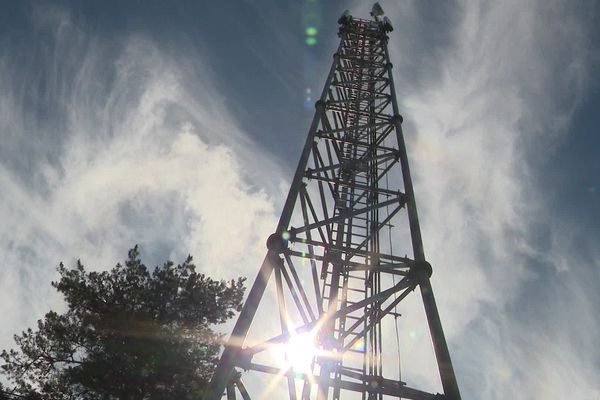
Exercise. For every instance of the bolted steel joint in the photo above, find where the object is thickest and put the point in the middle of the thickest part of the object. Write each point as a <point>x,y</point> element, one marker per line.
<point>375,382</point>
<point>278,242</point>
<point>421,270</point>
<point>245,359</point>
<point>397,118</point>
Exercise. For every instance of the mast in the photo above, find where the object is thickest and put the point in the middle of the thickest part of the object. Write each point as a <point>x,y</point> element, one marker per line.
<point>332,263</point>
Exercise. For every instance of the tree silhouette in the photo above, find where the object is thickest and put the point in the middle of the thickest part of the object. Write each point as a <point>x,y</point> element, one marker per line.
<point>127,334</point>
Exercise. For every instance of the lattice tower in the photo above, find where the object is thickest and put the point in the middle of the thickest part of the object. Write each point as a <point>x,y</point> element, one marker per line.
<point>331,267</point>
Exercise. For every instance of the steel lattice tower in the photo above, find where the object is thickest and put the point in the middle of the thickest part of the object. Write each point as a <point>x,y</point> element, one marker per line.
<point>333,275</point>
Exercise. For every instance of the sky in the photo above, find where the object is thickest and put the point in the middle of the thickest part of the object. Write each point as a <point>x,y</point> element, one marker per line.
<point>178,125</point>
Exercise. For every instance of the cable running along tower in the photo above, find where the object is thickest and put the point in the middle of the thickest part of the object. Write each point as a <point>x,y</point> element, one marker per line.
<point>333,276</point>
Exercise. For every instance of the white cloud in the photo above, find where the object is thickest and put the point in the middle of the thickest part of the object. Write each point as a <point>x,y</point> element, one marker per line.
<point>147,153</point>
<point>486,92</point>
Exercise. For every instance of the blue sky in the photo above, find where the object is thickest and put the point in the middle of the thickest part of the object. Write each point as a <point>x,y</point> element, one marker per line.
<point>178,126</point>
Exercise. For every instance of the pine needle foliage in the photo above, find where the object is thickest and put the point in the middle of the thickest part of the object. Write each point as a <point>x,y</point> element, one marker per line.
<point>128,333</point>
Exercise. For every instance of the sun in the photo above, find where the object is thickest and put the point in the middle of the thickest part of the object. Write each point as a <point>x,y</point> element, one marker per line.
<point>298,353</point>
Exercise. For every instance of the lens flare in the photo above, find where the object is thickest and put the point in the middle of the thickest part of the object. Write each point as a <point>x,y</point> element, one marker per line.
<point>311,31</point>
<point>301,351</point>
<point>298,353</point>
<point>311,40</point>
<point>359,345</point>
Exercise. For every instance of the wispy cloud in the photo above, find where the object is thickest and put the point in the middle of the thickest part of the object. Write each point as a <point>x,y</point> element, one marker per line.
<point>487,89</point>
<point>133,144</point>
<point>108,144</point>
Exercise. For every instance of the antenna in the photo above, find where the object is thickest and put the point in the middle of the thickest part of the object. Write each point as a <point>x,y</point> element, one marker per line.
<point>377,11</point>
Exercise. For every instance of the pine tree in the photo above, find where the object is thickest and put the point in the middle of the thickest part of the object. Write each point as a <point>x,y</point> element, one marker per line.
<point>127,334</point>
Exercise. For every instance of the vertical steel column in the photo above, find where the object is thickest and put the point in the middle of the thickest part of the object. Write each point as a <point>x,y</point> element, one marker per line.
<point>440,346</point>
<point>231,354</point>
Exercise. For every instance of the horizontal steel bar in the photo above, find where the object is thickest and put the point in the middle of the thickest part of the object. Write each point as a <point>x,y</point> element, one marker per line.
<point>371,384</point>
<point>366,188</point>
<point>349,215</point>
<point>347,250</point>
<point>322,135</point>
